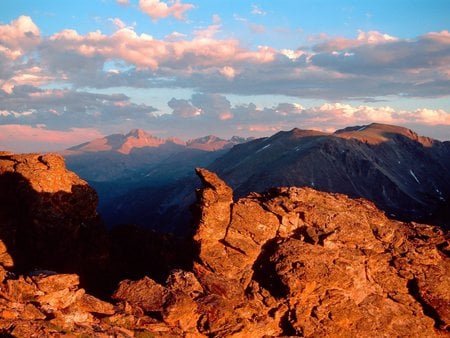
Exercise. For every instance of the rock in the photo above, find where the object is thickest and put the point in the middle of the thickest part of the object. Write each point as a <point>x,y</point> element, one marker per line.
<point>5,258</point>
<point>287,262</point>
<point>56,282</point>
<point>184,281</point>
<point>214,202</point>
<point>90,304</point>
<point>59,300</point>
<point>31,312</point>
<point>144,293</point>
<point>48,215</point>
<point>337,266</point>
<point>20,290</point>
<point>180,310</point>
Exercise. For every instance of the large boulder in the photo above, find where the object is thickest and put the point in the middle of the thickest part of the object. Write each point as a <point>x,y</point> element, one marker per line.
<point>48,216</point>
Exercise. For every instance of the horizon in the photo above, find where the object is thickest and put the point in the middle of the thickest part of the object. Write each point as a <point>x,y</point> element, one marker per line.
<point>71,73</point>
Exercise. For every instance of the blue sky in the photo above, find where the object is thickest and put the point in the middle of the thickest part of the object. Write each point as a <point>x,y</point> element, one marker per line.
<point>71,71</point>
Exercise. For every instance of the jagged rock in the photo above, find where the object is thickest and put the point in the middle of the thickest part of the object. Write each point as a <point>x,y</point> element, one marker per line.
<point>48,215</point>
<point>298,262</point>
<point>340,266</point>
<point>90,304</point>
<point>184,281</point>
<point>288,262</point>
<point>56,282</point>
<point>145,293</point>
<point>214,202</point>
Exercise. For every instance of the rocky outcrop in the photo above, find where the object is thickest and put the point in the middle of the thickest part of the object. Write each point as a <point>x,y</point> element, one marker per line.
<point>288,262</point>
<point>299,262</point>
<point>48,215</point>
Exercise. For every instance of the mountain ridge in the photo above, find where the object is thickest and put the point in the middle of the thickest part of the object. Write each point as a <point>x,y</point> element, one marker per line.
<point>138,138</point>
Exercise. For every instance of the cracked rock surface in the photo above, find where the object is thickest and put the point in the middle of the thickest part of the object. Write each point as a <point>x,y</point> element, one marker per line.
<point>323,263</point>
<point>288,262</point>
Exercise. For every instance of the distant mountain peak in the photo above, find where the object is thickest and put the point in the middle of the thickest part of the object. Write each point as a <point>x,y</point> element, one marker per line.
<point>138,138</point>
<point>376,133</point>
<point>138,133</point>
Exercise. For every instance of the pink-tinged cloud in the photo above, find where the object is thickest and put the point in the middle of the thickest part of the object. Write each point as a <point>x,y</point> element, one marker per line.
<point>248,119</point>
<point>33,76</point>
<point>123,2</point>
<point>371,65</point>
<point>20,36</point>
<point>119,24</point>
<point>25,138</point>
<point>145,52</point>
<point>158,9</point>
<point>332,44</point>
<point>257,29</point>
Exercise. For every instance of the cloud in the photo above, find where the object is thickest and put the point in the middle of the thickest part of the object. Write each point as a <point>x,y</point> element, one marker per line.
<point>258,29</point>
<point>64,113</point>
<point>123,2</point>
<point>20,36</point>
<point>158,9</point>
<point>215,113</point>
<point>25,138</point>
<point>119,24</point>
<point>371,66</point>
<point>63,109</point>
<point>256,10</point>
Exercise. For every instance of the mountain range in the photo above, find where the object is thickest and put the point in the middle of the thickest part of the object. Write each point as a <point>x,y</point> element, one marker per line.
<point>404,174</point>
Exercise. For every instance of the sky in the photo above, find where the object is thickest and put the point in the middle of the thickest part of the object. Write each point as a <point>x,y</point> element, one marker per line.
<point>74,71</point>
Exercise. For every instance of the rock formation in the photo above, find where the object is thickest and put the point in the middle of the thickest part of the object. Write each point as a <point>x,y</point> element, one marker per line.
<point>288,262</point>
<point>48,214</point>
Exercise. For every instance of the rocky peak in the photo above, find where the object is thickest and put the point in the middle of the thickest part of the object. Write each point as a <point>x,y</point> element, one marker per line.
<point>137,133</point>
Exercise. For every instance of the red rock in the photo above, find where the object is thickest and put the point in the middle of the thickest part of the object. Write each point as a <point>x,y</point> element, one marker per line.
<point>145,293</point>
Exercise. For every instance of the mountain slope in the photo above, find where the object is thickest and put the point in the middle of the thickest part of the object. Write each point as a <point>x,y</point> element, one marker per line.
<point>118,164</point>
<point>404,174</point>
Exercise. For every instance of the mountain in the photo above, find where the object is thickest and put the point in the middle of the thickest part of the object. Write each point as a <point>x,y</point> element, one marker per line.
<point>285,262</point>
<point>124,144</point>
<point>404,174</point>
<point>119,164</point>
<point>212,143</point>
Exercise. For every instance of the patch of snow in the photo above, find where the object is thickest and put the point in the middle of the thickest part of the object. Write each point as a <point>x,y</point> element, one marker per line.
<point>399,162</point>
<point>415,177</point>
<point>438,191</point>
<point>265,147</point>
<point>362,128</point>
<point>298,148</point>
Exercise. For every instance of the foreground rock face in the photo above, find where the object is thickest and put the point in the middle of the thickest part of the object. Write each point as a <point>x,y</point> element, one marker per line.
<point>48,214</point>
<point>289,262</point>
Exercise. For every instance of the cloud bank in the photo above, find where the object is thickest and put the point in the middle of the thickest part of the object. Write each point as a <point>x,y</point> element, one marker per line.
<point>372,66</point>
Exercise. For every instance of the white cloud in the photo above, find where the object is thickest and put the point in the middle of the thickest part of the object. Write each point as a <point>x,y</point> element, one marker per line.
<point>371,65</point>
<point>257,10</point>
<point>158,9</point>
